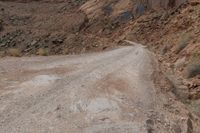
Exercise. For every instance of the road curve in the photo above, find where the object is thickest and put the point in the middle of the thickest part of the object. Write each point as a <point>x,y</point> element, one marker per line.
<point>108,92</point>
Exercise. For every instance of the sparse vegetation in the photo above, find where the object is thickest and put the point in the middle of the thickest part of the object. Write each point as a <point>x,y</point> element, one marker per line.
<point>2,53</point>
<point>14,52</point>
<point>184,41</point>
<point>65,51</point>
<point>193,68</point>
<point>43,51</point>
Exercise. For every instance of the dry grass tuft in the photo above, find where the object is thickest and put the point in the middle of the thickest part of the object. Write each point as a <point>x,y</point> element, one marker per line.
<point>43,52</point>
<point>65,51</point>
<point>14,52</point>
<point>2,53</point>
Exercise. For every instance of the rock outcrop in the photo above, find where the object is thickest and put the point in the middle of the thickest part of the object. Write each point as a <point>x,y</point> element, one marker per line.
<point>165,4</point>
<point>113,8</point>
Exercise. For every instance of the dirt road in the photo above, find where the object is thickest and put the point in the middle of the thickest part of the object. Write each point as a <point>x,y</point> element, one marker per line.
<point>108,92</point>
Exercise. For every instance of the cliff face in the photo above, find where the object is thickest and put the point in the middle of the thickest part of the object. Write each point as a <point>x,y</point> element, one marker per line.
<point>156,4</point>
<point>94,8</point>
<point>109,14</point>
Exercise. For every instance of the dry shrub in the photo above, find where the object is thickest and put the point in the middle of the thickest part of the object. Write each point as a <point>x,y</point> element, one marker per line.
<point>14,52</point>
<point>43,51</point>
<point>2,53</point>
<point>65,51</point>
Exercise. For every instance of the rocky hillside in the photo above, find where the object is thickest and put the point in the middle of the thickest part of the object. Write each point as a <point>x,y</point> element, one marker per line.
<point>67,26</point>
<point>174,35</point>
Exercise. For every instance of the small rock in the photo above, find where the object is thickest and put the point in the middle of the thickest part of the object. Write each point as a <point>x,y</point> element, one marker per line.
<point>164,50</point>
<point>180,62</point>
<point>189,126</point>
<point>149,125</point>
<point>58,41</point>
<point>176,128</point>
<point>58,107</point>
<point>194,3</point>
<point>33,42</point>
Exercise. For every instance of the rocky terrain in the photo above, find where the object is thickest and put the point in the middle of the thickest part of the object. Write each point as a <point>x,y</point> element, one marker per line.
<point>174,36</point>
<point>66,26</point>
<point>169,28</point>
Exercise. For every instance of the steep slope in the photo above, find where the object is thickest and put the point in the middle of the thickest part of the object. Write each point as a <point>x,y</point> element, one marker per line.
<point>47,25</point>
<point>174,36</point>
<point>66,26</point>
